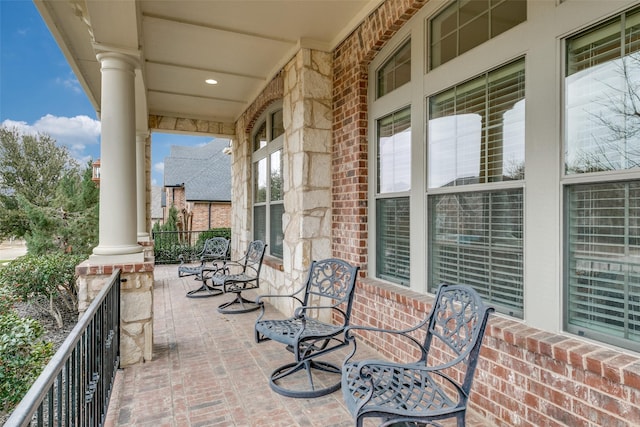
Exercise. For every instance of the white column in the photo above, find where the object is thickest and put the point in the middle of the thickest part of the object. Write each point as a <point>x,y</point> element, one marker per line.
<point>118,203</point>
<point>141,144</point>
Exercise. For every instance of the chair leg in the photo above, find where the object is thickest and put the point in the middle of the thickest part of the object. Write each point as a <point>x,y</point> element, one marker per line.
<point>309,366</point>
<point>238,305</point>
<point>204,291</point>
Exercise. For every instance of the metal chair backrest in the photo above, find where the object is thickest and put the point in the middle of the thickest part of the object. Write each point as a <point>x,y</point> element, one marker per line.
<point>216,248</point>
<point>253,257</point>
<point>333,279</point>
<point>457,322</point>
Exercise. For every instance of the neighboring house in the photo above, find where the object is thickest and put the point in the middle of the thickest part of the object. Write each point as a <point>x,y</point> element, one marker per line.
<point>157,204</point>
<point>197,181</point>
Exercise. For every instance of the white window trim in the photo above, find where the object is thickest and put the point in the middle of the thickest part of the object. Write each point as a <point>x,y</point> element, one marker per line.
<point>262,153</point>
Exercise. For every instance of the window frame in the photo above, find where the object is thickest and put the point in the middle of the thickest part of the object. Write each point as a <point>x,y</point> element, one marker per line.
<point>450,5</point>
<point>381,197</point>
<point>380,107</point>
<point>486,186</point>
<point>264,153</point>
<point>572,180</point>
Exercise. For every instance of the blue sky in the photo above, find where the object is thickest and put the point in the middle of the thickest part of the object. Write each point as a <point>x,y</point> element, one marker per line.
<point>40,93</point>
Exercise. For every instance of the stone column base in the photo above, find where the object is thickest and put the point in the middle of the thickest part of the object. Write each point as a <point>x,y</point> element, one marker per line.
<point>136,305</point>
<point>147,249</point>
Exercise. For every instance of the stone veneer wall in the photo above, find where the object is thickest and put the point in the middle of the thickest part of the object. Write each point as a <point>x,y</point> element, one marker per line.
<point>136,310</point>
<point>307,164</point>
<point>304,86</point>
<point>526,376</point>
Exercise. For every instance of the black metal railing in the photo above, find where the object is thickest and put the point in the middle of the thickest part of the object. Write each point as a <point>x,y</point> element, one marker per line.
<point>168,246</point>
<point>75,386</point>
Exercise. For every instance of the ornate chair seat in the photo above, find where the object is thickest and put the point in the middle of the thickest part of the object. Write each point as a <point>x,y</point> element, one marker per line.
<point>327,294</point>
<point>214,252</point>
<point>237,276</point>
<point>436,386</point>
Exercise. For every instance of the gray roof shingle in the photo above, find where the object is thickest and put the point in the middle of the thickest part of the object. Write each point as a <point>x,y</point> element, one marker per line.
<point>205,171</point>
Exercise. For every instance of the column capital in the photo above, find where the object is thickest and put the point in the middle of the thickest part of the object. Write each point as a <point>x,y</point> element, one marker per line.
<point>118,59</point>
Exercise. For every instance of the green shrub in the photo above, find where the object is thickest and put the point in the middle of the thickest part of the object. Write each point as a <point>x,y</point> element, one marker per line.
<point>213,232</point>
<point>7,299</point>
<point>48,281</point>
<point>23,356</point>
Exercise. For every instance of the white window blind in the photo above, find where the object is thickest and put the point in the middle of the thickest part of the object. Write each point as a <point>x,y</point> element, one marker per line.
<point>393,235</point>
<point>393,170</point>
<point>476,239</point>
<point>603,272</point>
<point>260,223</point>
<point>476,130</point>
<point>276,234</point>
<point>601,89</point>
<point>394,152</point>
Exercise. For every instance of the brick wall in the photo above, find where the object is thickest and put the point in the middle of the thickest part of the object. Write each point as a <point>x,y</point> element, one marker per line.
<point>350,175</point>
<point>526,377</point>
<point>210,215</point>
<point>175,196</point>
<point>205,215</point>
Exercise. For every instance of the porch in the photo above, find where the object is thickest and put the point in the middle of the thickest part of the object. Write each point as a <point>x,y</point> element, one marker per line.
<point>207,370</point>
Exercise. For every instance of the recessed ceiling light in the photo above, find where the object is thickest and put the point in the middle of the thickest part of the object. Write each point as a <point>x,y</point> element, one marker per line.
<point>211,82</point>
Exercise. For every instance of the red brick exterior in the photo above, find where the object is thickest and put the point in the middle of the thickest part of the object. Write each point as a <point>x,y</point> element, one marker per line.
<point>208,215</point>
<point>174,197</point>
<point>204,215</point>
<point>350,175</point>
<point>526,377</point>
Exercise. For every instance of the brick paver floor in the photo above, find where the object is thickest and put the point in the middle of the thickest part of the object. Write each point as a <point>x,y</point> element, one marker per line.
<point>207,370</point>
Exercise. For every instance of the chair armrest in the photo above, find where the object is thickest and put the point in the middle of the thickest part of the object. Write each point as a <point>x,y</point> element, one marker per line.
<point>406,333</point>
<point>215,266</point>
<point>260,298</point>
<point>300,311</point>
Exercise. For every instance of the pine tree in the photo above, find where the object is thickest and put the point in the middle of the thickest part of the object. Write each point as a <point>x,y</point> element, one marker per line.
<point>30,170</point>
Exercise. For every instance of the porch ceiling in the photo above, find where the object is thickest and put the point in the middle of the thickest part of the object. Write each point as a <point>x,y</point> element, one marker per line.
<point>240,43</point>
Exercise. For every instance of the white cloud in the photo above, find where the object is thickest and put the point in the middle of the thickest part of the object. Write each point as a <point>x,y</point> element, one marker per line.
<point>70,83</point>
<point>76,133</point>
<point>159,167</point>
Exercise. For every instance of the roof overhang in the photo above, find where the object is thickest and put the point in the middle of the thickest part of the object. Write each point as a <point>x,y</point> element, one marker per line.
<point>242,44</point>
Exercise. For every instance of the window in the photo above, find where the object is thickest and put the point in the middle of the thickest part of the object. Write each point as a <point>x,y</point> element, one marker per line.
<point>268,206</point>
<point>476,239</point>
<point>603,239</point>
<point>602,88</point>
<point>396,71</point>
<point>476,130</point>
<point>602,134</point>
<point>466,24</point>
<point>476,136</point>
<point>393,151</point>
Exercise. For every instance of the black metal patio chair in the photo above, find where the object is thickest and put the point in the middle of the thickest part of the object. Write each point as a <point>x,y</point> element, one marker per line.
<point>315,329</point>
<point>237,276</point>
<point>212,257</point>
<point>438,384</point>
